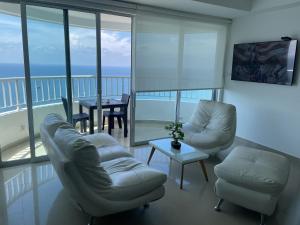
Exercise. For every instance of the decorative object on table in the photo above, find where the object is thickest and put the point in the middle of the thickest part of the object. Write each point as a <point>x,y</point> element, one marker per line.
<point>176,133</point>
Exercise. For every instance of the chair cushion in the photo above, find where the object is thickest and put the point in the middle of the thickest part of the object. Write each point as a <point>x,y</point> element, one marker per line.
<point>80,116</point>
<point>211,127</point>
<point>213,115</point>
<point>206,139</point>
<point>84,155</point>
<point>101,139</point>
<point>254,169</point>
<point>115,113</point>
<point>107,147</point>
<point>53,121</point>
<point>112,152</point>
<point>131,178</point>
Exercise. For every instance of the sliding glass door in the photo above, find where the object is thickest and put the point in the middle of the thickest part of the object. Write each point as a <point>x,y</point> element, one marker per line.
<point>153,111</point>
<point>14,137</point>
<point>189,100</point>
<point>65,53</point>
<point>115,62</point>
<point>46,44</point>
<point>83,52</point>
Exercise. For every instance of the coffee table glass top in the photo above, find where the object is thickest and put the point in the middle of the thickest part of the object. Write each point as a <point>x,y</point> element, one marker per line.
<point>186,154</point>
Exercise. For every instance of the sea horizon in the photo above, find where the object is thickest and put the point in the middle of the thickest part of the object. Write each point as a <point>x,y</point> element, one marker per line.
<point>17,70</point>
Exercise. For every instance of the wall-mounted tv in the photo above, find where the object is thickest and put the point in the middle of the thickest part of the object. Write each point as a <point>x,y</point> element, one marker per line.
<point>265,62</point>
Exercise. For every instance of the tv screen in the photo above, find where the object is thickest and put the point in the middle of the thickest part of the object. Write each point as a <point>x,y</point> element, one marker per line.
<point>264,62</point>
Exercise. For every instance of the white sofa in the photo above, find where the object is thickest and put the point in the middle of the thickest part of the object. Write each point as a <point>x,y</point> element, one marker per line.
<point>99,174</point>
<point>212,126</point>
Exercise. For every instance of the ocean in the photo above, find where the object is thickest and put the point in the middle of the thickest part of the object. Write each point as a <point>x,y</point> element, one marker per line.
<point>17,70</point>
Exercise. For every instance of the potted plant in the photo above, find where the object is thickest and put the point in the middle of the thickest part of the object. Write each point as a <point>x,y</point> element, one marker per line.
<point>176,133</point>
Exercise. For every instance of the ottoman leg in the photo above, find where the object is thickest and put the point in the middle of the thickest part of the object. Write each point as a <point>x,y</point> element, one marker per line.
<point>262,219</point>
<point>218,206</point>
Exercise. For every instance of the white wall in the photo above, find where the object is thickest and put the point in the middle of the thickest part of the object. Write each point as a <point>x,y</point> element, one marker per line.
<point>14,126</point>
<point>267,114</point>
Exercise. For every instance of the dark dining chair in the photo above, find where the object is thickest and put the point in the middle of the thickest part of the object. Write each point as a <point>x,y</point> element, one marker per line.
<point>120,115</point>
<point>79,117</point>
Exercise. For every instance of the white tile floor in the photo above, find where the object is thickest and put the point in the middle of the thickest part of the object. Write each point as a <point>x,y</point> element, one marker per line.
<point>33,195</point>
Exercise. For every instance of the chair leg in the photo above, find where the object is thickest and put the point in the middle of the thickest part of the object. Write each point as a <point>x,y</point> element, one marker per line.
<point>125,126</point>
<point>262,219</point>
<point>113,122</point>
<point>92,220</point>
<point>81,126</point>
<point>84,125</point>
<point>218,206</point>
<point>119,122</point>
<point>103,122</point>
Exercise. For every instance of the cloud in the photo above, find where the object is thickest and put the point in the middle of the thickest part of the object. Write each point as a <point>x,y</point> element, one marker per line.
<point>115,47</point>
<point>113,42</point>
<point>82,38</point>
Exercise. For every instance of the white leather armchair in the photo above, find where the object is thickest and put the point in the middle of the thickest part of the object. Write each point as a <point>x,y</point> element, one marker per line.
<point>212,126</point>
<point>102,180</point>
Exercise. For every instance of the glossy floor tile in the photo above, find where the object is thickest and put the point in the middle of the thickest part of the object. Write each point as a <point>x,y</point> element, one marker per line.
<point>33,195</point>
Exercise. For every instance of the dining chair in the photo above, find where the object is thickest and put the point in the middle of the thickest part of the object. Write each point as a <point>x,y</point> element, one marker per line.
<point>120,115</point>
<point>79,117</point>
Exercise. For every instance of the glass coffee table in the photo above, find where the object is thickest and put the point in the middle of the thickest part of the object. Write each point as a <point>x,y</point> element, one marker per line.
<point>186,155</point>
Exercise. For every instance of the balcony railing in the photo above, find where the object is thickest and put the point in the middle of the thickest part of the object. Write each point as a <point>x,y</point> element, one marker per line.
<point>49,89</point>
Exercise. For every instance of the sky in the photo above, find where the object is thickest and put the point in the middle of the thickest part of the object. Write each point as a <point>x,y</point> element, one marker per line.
<point>46,44</point>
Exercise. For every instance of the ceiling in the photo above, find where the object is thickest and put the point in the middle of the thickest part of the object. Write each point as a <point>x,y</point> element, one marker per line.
<point>221,8</point>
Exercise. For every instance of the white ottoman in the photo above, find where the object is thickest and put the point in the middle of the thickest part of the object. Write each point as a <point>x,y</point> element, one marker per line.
<point>252,178</point>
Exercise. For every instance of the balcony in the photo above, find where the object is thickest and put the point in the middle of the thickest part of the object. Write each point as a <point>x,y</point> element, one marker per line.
<point>46,96</point>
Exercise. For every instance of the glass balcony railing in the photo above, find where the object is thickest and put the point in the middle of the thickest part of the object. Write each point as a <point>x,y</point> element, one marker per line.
<point>49,89</point>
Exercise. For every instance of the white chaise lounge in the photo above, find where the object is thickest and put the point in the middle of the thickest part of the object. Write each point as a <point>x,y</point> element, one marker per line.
<point>98,173</point>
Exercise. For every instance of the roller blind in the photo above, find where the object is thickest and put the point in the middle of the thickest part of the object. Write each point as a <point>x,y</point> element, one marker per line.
<point>178,54</point>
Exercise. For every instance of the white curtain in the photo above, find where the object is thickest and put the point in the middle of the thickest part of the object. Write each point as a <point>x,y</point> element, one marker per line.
<point>178,54</point>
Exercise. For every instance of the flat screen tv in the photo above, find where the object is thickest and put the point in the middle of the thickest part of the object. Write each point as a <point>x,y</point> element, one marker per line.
<point>265,62</point>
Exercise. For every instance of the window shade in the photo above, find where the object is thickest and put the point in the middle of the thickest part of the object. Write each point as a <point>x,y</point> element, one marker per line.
<point>178,54</point>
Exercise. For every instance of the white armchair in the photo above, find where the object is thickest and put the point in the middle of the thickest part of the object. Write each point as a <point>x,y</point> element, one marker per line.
<point>212,126</point>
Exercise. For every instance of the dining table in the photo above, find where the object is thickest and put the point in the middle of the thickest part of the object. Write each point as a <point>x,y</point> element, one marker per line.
<point>111,104</point>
